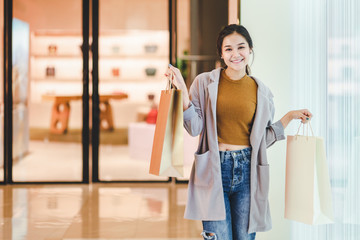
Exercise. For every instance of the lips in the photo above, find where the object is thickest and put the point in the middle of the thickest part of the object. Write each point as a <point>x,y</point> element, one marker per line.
<point>237,61</point>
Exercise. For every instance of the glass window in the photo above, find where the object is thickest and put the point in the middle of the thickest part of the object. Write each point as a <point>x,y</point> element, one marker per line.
<point>326,79</point>
<point>2,93</point>
<point>47,90</point>
<point>133,57</point>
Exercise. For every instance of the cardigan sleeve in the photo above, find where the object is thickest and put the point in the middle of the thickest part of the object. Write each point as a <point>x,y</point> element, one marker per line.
<point>194,116</point>
<point>274,131</point>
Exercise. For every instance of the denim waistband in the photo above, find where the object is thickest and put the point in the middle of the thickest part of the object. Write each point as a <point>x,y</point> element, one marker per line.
<point>245,151</point>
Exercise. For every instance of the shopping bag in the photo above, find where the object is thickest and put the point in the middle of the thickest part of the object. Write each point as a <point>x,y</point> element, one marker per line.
<point>167,157</point>
<point>307,186</point>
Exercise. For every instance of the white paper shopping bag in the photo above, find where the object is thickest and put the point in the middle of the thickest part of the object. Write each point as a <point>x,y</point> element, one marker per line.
<point>307,187</point>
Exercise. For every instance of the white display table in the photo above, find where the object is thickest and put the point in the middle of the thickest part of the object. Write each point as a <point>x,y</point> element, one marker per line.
<point>141,136</point>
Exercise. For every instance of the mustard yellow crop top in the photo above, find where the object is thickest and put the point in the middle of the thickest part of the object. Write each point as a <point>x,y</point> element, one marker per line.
<point>235,109</point>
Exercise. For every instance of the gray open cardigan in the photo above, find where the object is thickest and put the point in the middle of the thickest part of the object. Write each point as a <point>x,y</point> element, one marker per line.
<point>205,192</point>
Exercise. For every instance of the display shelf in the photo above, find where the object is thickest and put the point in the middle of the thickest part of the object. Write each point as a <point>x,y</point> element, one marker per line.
<point>149,57</point>
<point>123,42</point>
<point>56,79</point>
<point>58,56</point>
<point>126,58</point>
<point>57,33</point>
<point>144,79</point>
<point>128,80</point>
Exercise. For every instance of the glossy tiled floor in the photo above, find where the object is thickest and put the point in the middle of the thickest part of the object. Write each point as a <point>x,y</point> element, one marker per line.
<point>53,161</point>
<point>96,212</point>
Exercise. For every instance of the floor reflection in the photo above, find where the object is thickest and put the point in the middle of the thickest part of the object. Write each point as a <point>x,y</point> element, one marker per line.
<point>96,211</point>
<point>66,164</point>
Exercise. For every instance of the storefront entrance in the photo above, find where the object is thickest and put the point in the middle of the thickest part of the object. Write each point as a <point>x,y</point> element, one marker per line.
<point>80,78</point>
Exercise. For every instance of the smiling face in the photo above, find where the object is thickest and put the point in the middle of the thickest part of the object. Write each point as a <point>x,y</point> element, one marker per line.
<point>235,52</point>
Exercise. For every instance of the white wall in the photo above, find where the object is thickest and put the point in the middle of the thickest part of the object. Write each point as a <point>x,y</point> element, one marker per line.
<point>269,24</point>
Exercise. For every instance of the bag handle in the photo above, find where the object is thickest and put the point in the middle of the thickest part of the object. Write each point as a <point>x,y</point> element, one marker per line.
<point>307,128</point>
<point>170,85</point>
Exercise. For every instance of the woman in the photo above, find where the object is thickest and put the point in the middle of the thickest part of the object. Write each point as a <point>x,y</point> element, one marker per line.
<point>233,113</point>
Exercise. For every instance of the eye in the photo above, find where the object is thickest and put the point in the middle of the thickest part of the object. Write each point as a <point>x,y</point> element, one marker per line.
<point>228,49</point>
<point>241,47</point>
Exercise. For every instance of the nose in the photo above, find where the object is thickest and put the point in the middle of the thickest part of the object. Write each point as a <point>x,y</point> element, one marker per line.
<point>237,53</point>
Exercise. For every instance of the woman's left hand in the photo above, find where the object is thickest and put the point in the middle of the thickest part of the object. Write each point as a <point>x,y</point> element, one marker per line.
<point>303,114</point>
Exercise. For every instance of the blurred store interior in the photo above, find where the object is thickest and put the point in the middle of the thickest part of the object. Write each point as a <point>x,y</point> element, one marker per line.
<point>134,52</point>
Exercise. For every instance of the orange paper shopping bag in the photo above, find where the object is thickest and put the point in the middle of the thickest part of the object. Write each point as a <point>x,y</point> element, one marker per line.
<point>167,157</point>
<point>307,186</point>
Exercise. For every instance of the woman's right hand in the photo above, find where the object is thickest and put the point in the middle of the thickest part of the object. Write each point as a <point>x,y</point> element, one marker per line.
<point>177,79</point>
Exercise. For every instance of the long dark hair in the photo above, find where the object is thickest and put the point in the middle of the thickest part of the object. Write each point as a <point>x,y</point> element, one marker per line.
<point>230,29</point>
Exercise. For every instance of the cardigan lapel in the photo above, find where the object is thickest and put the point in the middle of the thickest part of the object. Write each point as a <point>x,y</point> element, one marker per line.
<point>262,115</point>
<point>213,90</point>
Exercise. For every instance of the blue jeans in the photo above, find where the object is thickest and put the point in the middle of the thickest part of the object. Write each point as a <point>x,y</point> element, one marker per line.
<point>235,171</point>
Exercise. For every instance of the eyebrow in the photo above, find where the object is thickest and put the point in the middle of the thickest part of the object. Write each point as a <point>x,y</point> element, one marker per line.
<point>238,44</point>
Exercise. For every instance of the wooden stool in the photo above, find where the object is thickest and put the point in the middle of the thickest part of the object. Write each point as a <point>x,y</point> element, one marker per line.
<point>60,117</point>
<point>106,119</point>
<point>61,111</point>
